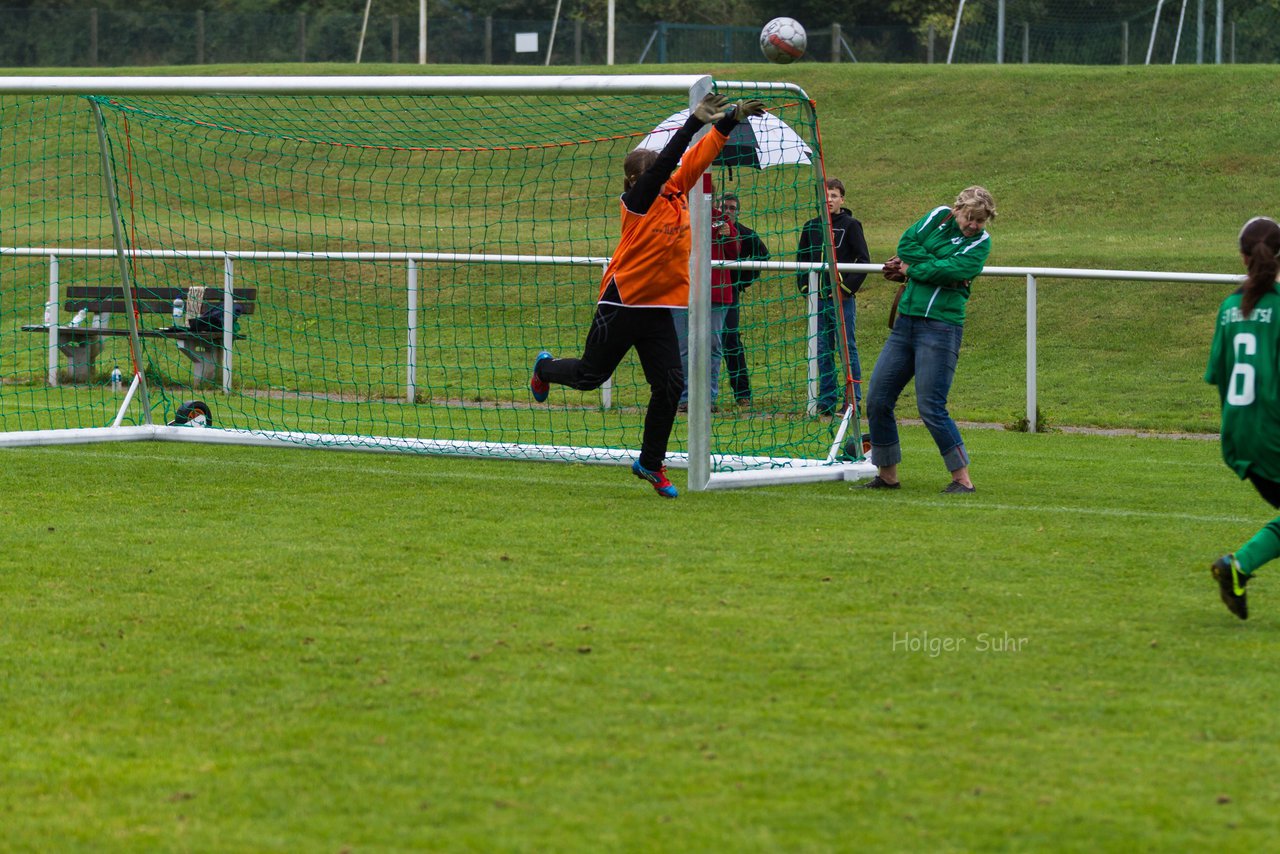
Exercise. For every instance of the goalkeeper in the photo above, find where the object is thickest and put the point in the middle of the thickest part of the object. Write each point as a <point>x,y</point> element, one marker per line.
<point>647,277</point>
<point>1243,365</point>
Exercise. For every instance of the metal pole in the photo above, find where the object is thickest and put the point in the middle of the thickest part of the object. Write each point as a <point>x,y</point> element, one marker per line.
<point>422,32</point>
<point>51,319</point>
<point>411,369</point>
<point>1177,39</point>
<point>606,390</point>
<point>1217,36</point>
<point>551,41</point>
<point>228,319</point>
<point>608,41</point>
<point>699,331</point>
<point>812,339</point>
<point>1199,32</point>
<point>1000,19</point>
<point>955,32</point>
<point>126,285</point>
<point>364,26</point>
<point>1031,354</point>
<point>1155,25</point>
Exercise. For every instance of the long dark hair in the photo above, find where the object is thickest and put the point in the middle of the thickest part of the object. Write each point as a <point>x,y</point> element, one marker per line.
<point>1259,244</point>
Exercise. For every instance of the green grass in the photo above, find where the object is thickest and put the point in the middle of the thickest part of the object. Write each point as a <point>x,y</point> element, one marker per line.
<point>249,649</point>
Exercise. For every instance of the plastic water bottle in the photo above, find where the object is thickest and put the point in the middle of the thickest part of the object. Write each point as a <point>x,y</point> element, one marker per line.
<point>179,309</point>
<point>50,313</point>
<point>117,381</point>
<point>80,316</point>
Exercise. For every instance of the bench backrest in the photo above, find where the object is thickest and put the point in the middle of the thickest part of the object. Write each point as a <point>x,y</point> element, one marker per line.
<point>150,300</point>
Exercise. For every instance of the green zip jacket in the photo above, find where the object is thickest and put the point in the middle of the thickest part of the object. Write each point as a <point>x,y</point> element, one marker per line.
<point>943,263</point>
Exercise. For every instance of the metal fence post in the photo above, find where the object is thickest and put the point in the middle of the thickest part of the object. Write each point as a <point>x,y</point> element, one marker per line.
<point>51,319</point>
<point>411,369</point>
<point>1031,353</point>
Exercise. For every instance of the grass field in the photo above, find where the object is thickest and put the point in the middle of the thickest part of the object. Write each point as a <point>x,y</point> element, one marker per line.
<point>250,649</point>
<point>213,649</point>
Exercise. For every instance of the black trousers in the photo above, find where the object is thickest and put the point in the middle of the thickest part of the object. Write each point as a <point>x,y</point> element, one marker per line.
<point>1268,489</point>
<point>735,354</point>
<point>614,331</point>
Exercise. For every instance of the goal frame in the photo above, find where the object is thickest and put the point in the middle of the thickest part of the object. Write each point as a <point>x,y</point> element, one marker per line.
<point>698,460</point>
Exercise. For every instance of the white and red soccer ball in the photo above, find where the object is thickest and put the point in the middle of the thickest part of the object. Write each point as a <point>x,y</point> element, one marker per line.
<point>783,40</point>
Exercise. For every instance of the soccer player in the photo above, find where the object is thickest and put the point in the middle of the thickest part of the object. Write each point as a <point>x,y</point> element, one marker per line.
<point>1243,365</point>
<point>647,277</point>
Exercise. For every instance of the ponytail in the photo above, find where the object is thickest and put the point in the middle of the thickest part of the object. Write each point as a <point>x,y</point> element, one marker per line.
<point>1259,244</point>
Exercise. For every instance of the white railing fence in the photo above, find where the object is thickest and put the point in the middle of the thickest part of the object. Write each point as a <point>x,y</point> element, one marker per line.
<point>413,260</point>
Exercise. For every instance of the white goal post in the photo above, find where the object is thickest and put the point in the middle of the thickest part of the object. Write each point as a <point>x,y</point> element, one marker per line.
<point>716,457</point>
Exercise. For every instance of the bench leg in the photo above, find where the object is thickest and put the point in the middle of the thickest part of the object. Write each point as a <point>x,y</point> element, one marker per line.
<point>81,356</point>
<point>206,362</point>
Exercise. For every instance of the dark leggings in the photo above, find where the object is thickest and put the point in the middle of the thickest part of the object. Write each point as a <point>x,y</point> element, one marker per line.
<point>1268,489</point>
<point>614,331</point>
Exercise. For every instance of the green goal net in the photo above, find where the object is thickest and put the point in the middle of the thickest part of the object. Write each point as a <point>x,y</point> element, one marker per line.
<point>335,265</point>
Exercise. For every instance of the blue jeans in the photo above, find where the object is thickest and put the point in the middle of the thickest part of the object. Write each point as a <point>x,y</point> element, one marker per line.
<point>928,351</point>
<point>831,377</point>
<point>716,322</point>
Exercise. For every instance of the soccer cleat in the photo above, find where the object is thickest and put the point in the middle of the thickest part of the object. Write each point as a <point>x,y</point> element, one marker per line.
<point>955,487</point>
<point>1231,582</point>
<point>657,479</point>
<point>540,387</point>
<point>878,482</point>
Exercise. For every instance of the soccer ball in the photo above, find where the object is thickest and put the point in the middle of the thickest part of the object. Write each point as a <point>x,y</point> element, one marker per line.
<point>782,40</point>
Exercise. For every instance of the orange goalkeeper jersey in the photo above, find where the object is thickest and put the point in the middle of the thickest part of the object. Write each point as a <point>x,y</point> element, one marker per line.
<point>651,264</point>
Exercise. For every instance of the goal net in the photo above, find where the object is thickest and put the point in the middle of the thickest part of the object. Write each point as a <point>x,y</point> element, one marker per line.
<point>375,263</point>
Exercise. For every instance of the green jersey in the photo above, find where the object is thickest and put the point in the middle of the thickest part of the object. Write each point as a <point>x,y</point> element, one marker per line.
<point>1244,363</point>
<point>942,263</point>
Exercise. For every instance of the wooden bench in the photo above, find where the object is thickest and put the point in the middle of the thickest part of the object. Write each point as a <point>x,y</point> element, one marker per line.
<point>83,343</point>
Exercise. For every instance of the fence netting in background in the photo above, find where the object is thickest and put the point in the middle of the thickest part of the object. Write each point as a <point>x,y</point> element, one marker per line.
<point>1089,33</point>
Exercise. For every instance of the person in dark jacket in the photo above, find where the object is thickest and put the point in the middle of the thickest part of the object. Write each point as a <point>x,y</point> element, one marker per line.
<point>850,248</point>
<point>750,248</point>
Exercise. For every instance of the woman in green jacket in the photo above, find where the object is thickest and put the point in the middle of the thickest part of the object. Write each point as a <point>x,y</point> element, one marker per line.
<point>941,255</point>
